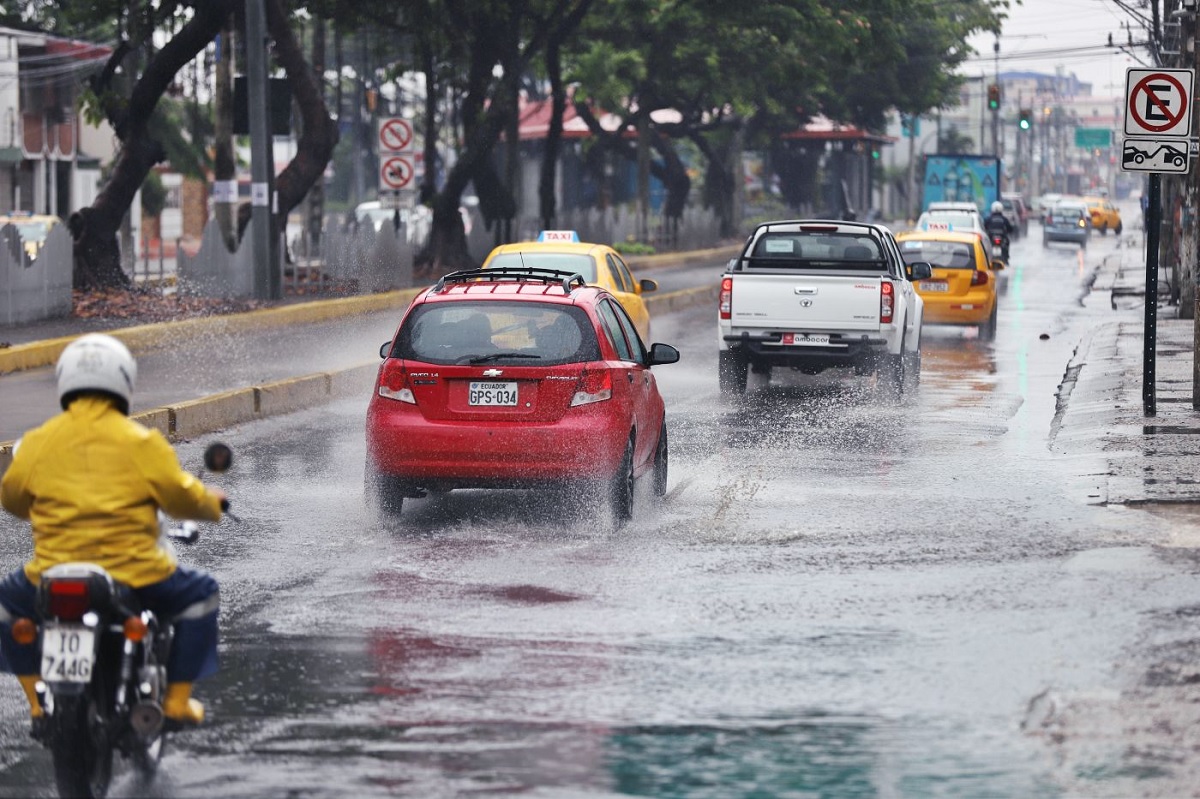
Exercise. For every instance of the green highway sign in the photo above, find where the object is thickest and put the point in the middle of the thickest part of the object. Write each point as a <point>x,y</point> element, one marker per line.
<point>1091,138</point>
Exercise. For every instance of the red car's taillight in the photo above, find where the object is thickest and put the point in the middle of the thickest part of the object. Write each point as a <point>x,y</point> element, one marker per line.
<point>979,278</point>
<point>886,302</point>
<point>393,383</point>
<point>725,304</point>
<point>593,387</point>
<point>69,599</point>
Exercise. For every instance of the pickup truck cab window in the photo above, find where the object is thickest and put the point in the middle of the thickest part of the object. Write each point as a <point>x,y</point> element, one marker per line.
<point>818,249</point>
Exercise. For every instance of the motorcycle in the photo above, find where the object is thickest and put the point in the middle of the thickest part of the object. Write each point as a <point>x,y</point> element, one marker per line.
<point>1000,242</point>
<point>103,667</point>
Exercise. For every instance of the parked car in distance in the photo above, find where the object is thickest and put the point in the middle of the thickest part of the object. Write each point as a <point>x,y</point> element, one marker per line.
<point>1105,216</point>
<point>417,221</point>
<point>1067,221</point>
<point>32,228</point>
<point>600,265</point>
<point>516,378</point>
<point>962,289</point>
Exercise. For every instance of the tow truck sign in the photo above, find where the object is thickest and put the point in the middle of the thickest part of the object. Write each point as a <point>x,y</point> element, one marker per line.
<point>1158,102</point>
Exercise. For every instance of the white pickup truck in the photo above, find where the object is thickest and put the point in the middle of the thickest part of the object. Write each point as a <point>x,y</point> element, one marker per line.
<point>815,294</point>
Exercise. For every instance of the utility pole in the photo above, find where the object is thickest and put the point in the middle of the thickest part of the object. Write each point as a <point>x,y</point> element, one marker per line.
<point>267,279</point>
<point>996,111</point>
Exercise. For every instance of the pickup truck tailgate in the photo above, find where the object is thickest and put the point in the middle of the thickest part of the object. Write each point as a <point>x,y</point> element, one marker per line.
<point>805,302</point>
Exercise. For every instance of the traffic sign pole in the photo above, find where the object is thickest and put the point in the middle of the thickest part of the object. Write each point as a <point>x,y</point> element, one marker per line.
<point>1150,327</point>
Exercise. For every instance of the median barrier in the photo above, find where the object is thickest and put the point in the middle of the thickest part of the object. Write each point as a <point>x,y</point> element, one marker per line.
<point>292,394</point>
<point>200,416</point>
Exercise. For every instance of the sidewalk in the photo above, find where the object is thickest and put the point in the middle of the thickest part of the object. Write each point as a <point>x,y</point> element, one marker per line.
<point>1151,459</point>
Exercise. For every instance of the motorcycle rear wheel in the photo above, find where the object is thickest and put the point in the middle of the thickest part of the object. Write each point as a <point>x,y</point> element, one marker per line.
<point>82,763</point>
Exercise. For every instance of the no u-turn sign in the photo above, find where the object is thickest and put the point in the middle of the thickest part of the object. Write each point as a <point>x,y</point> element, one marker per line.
<point>1158,102</point>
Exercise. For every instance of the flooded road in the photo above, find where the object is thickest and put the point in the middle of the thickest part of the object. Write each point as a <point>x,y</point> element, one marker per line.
<point>840,596</point>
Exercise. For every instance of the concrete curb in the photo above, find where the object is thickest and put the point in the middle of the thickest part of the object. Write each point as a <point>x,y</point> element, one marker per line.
<point>205,415</point>
<point>140,338</point>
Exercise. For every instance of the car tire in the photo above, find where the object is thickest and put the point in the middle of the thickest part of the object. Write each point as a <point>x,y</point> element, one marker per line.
<point>1045,241</point>
<point>620,488</point>
<point>661,462</point>
<point>732,372</point>
<point>912,372</point>
<point>381,492</point>
<point>1117,229</point>
<point>987,331</point>
<point>890,377</point>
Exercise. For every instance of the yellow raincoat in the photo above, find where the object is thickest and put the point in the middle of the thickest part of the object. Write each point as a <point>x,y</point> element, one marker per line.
<point>90,480</point>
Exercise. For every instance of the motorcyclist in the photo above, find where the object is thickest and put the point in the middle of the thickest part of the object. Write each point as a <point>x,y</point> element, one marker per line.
<point>997,224</point>
<point>91,482</point>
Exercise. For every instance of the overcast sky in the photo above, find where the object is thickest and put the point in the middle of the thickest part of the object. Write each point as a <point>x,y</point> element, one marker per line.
<point>1041,35</point>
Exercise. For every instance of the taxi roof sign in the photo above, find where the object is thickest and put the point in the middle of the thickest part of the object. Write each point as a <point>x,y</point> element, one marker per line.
<point>560,236</point>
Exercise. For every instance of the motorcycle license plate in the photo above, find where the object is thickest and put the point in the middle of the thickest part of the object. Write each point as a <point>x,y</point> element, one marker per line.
<point>492,393</point>
<point>68,652</point>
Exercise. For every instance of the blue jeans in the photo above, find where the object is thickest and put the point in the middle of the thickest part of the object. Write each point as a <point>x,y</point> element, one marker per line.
<point>188,600</point>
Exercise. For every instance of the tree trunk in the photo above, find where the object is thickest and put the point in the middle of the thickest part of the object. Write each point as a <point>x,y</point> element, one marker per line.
<point>547,201</point>
<point>94,229</point>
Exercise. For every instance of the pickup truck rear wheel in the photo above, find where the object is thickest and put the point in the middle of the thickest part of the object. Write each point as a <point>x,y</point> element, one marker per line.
<point>891,375</point>
<point>912,371</point>
<point>732,372</point>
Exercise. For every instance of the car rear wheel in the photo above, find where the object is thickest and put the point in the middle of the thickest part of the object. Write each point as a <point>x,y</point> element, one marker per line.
<point>1117,229</point>
<point>620,491</point>
<point>987,331</point>
<point>732,372</point>
<point>660,462</point>
<point>891,375</point>
<point>381,492</point>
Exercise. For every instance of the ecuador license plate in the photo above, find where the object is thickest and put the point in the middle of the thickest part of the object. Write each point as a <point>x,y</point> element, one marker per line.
<point>492,393</point>
<point>934,285</point>
<point>68,652</point>
<point>805,339</point>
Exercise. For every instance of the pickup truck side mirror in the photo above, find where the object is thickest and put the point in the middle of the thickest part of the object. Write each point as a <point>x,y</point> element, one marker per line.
<point>731,265</point>
<point>918,271</point>
<point>661,353</point>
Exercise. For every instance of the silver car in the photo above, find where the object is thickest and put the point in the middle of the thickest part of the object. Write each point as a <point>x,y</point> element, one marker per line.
<point>1067,221</point>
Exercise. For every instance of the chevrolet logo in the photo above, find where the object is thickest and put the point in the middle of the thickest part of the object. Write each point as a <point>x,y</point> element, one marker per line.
<point>492,372</point>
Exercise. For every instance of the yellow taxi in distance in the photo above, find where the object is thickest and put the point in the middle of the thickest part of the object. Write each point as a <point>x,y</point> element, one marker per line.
<point>962,290</point>
<point>33,229</point>
<point>1105,215</point>
<point>599,264</point>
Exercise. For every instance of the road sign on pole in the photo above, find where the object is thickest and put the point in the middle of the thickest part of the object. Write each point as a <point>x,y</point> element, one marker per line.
<point>1158,102</point>
<point>395,135</point>
<point>395,172</point>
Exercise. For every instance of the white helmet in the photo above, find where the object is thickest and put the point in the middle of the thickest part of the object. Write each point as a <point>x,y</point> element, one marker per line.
<point>96,362</point>
<point>997,207</point>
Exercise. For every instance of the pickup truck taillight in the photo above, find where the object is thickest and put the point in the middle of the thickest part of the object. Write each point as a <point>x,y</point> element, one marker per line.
<point>887,302</point>
<point>725,302</point>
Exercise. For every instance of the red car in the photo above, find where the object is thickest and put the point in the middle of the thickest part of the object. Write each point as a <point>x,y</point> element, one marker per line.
<point>516,378</point>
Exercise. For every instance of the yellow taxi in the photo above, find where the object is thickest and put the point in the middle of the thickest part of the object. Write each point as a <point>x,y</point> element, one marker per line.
<point>1105,215</point>
<point>962,290</point>
<point>599,264</point>
<point>33,229</point>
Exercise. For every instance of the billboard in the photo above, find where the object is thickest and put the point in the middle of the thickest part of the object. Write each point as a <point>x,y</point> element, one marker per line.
<point>962,178</point>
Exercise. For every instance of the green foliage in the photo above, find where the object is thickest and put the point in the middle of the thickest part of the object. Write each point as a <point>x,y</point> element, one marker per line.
<point>154,195</point>
<point>633,248</point>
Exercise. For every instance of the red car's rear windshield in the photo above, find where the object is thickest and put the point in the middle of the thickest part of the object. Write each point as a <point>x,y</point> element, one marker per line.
<point>517,333</point>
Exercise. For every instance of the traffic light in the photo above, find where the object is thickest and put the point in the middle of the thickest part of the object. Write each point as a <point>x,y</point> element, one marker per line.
<point>1025,119</point>
<point>993,97</point>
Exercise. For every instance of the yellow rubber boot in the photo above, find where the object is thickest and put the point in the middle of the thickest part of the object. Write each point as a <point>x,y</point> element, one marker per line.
<point>178,704</point>
<point>28,681</point>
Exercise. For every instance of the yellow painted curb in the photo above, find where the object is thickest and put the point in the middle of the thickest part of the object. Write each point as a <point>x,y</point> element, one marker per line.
<point>140,338</point>
<point>667,259</point>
